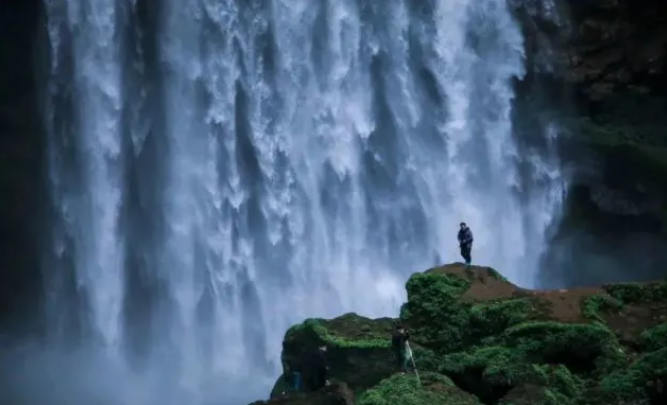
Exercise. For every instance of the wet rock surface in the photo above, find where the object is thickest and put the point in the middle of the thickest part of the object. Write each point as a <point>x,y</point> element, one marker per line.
<point>599,70</point>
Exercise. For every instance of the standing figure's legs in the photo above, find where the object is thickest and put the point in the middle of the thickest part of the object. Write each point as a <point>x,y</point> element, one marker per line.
<point>466,254</point>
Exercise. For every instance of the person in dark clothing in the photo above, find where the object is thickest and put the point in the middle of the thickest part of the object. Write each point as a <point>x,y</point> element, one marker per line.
<point>465,243</point>
<point>399,342</point>
<point>319,376</point>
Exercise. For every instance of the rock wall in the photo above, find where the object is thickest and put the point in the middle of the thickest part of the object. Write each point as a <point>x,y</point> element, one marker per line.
<point>606,86</point>
<point>21,163</point>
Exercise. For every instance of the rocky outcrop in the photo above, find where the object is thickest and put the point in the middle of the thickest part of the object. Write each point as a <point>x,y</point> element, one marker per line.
<point>478,339</point>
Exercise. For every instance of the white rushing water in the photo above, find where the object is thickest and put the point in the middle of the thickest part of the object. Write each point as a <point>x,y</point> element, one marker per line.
<point>311,155</point>
<point>89,213</point>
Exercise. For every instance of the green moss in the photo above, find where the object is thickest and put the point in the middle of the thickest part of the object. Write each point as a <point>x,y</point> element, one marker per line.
<point>491,372</point>
<point>581,347</point>
<point>426,359</point>
<point>495,274</point>
<point>595,306</point>
<point>347,331</point>
<point>636,293</point>
<point>654,338</point>
<point>559,379</point>
<point>441,321</point>
<point>505,351</point>
<point>492,318</point>
<point>436,317</point>
<point>639,383</point>
<point>404,390</point>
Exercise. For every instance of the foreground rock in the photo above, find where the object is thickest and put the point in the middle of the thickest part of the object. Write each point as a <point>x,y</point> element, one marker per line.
<point>337,394</point>
<point>478,339</point>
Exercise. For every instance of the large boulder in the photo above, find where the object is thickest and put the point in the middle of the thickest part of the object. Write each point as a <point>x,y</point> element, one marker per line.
<point>359,350</point>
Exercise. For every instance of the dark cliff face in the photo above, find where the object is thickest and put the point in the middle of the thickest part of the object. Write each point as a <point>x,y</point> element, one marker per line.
<point>607,87</point>
<point>21,163</point>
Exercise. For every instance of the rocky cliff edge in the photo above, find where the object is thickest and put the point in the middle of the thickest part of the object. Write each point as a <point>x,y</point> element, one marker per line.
<point>478,339</point>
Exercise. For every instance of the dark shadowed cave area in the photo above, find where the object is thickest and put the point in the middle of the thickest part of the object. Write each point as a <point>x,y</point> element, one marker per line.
<point>22,159</point>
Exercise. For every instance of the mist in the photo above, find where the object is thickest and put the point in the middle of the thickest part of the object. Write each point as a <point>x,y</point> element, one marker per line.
<point>34,374</point>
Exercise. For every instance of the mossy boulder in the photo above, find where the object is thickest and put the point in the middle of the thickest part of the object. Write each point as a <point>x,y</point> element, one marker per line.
<point>491,373</point>
<point>478,339</point>
<point>429,389</point>
<point>358,349</point>
<point>581,347</point>
<point>447,310</point>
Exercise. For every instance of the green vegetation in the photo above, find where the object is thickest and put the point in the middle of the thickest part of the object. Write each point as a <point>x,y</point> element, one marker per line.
<point>595,306</point>
<point>436,317</point>
<point>495,274</point>
<point>347,331</point>
<point>578,346</point>
<point>654,338</point>
<point>642,382</point>
<point>500,351</point>
<point>441,321</point>
<point>401,389</point>
<point>534,353</point>
<point>636,293</point>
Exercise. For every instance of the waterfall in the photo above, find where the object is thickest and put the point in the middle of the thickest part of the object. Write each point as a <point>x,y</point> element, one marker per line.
<point>231,167</point>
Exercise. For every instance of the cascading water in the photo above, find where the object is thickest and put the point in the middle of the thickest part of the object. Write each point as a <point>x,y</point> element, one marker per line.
<point>282,159</point>
<point>88,204</point>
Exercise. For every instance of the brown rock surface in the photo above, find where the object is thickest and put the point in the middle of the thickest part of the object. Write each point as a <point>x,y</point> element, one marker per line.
<point>569,305</point>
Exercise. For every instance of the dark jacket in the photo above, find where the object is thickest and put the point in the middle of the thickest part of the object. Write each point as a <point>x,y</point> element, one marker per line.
<point>398,341</point>
<point>465,236</point>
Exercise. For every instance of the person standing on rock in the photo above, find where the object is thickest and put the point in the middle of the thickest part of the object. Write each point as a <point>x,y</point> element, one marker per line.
<point>465,243</point>
<point>399,342</point>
